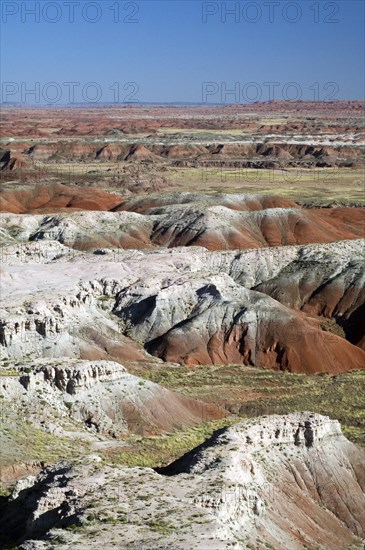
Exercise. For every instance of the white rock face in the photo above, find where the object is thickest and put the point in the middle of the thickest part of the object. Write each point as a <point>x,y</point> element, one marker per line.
<point>101,396</point>
<point>22,484</point>
<point>148,313</point>
<point>52,300</point>
<point>288,481</point>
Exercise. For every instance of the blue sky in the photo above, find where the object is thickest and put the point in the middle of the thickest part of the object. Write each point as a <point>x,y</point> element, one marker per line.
<point>166,51</point>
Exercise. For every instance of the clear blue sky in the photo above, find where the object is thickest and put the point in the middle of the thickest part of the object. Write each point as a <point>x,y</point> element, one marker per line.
<point>169,51</point>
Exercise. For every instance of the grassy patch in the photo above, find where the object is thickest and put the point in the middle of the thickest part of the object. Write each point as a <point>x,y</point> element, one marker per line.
<point>247,392</point>
<point>161,526</point>
<point>10,372</point>
<point>322,185</point>
<point>161,450</point>
<point>22,441</point>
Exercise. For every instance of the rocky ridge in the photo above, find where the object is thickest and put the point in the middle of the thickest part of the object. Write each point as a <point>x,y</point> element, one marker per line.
<point>273,479</point>
<point>100,396</point>
<point>214,222</point>
<point>183,305</point>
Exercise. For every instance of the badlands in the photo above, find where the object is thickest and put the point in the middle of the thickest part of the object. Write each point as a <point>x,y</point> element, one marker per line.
<point>182,328</point>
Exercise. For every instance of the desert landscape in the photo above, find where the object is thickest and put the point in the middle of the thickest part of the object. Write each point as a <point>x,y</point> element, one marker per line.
<point>182,326</point>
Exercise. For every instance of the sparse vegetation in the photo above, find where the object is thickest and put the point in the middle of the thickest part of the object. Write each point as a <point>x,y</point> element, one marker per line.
<point>162,526</point>
<point>10,372</point>
<point>161,450</point>
<point>247,392</point>
<point>330,325</point>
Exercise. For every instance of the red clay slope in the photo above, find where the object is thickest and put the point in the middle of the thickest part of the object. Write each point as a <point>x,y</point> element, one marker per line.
<point>56,198</point>
<point>296,344</point>
<point>217,223</point>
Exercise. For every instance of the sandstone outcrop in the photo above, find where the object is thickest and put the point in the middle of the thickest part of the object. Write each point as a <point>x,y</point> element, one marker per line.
<point>216,321</point>
<point>185,305</point>
<point>102,397</point>
<point>286,481</point>
<point>328,283</point>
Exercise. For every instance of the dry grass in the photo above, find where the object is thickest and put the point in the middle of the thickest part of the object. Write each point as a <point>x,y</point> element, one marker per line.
<point>325,184</point>
<point>248,392</point>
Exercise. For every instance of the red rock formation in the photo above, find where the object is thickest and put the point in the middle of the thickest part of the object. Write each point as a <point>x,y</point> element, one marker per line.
<point>139,152</point>
<point>217,230</point>
<point>296,344</point>
<point>56,198</point>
